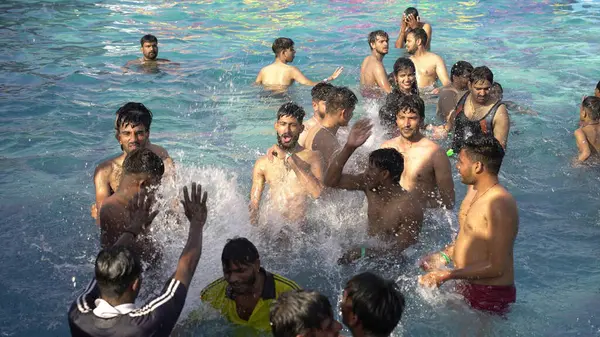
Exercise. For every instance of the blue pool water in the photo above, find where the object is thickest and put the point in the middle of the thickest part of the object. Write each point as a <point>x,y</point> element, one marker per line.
<point>61,84</point>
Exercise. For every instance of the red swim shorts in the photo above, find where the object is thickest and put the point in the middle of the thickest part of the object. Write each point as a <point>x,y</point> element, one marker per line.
<point>492,299</point>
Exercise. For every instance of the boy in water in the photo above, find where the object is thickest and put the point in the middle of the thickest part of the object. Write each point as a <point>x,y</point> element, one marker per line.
<point>411,21</point>
<point>588,134</point>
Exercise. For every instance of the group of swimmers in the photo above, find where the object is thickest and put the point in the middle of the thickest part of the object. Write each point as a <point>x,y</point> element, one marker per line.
<point>407,175</point>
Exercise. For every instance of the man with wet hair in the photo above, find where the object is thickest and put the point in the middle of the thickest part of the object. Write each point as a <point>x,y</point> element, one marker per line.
<point>293,173</point>
<point>107,307</point>
<point>132,131</point>
<point>149,48</point>
<point>482,253</point>
<point>430,67</point>
<point>280,75</point>
<point>394,215</point>
<point>319,95</point>
<point>588,134</point>
<point>246,291</point>
<point>371,306</point>
<point>340,105</point>
<point>411,21</point>
<point>302,313</point>
<point>373,77</point>
<point>427,172</point>
<point>449,95</point>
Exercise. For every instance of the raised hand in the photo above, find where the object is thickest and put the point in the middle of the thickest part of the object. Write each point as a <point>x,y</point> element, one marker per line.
<point>194,205</point>
<point>412,22</point>
<point>403,24</point>
<point>140,216</point>
<point>360,132</point>
<point>336,73</point>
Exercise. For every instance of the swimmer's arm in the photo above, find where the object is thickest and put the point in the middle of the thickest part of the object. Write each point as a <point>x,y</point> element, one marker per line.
<point>582,145</point>
<point>258,185</point>
<point>443,178</point>
<point>102,185</point>
<point>299,77</point>
<point>442,72</point>
<point>501,126</point>
<point>259,77</point>
<point>334,176</point>
<point>427,29</point>
<point>311,179</point>
<point>382,79</point>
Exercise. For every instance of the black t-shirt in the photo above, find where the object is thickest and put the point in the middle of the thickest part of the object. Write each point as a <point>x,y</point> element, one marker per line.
<point>156,318</point>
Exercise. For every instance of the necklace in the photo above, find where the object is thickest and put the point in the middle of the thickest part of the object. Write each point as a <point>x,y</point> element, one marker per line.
<point>477,197</point>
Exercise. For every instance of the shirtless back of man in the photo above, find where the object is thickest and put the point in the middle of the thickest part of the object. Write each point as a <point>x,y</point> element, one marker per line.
<point>323,140</point>
<point>373,77</point>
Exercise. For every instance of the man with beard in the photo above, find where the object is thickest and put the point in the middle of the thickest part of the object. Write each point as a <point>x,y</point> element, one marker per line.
<point>319,95</point>
<point>245,292</point>
<point>430,67</point>
<point>294,174</point>
<point>280,75</point>
<point>449,95</point>
<point>427,170</point>
<point>339,109</point>
<point>132,130</point>
<point>395,216</point>
<point>373,77</point>
<point>150,53</point>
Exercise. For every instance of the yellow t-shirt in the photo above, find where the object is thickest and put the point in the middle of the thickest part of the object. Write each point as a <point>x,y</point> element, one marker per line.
<point>218,295</point>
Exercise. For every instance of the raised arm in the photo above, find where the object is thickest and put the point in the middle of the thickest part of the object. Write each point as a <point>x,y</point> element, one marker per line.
<point>258,185</point>
<point>582,145</point>
<point>428,31</point>
<point>442,72</point>
<point>443,177</point>
<point>299,77</point>
<point>501,125</point>
<point>402,35</point>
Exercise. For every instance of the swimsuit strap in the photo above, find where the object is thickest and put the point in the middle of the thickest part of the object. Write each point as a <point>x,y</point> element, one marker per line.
<point>487,123</point>
<point>460,106</point>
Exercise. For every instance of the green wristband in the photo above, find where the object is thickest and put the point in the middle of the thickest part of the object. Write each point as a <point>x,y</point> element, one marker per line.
<point>446,257</point>
<point>363,252</point>
<point>450,152</point>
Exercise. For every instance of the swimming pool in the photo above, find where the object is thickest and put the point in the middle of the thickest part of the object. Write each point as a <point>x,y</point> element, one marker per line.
<point>61,85</point>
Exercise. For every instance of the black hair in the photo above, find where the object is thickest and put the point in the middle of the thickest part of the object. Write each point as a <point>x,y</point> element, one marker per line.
<point>419,34</point>
<point>411,10</point>
<point>598,85</point>
<point>282,44</point>
<point>461,68</point>
<point>340,98</point>
<point>485,149</point>
<point>116,269</point>
<point>592,105</point>
<point>239,251</point>
<point>297,312</point>
<point>481,74</point>
<point>133,114</point>
<point>373,36</point>
<point>293,110</point>
<point>496,91</point>
<point>376,302</point>
<point>413,103</point>
<point>390,160</point>
<point>148,38</point>
<point>320,91</point>
<point>143,161</point>
<point>387,113</point>
<point>403,63</point>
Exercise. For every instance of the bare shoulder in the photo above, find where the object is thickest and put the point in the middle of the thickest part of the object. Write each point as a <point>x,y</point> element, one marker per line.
<point>426,26</point>
<point>503,200</point>
<point>111,210</point>
<point>389,144</point>
<point>261,162</point>
<point>159,151</point>
<point>311,156</point>
<point>105,168</point>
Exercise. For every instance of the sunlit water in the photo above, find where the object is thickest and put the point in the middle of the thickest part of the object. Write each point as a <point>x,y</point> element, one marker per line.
<point>61,83</point>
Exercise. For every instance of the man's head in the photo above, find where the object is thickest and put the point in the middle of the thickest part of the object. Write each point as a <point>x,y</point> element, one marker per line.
<point>385,168</point>
<point>597,91</point>
<point>480,83</point>
<point>415,39</point>
<point>479,156</point>
<point>241,265</point>
<point>378,41</point>
<point>319,95</point>
<point>289,125</point>
<point>149,47</point>
<point>118,272</point>
<point>132,126</point>
<point>460,74</point>
<point>405,74</point>
<point>590,109</point>
<point>144,166</point>
<point>371,305</point>
<point>340,105</point>
<point>410,116</point>
<point>387,113</point>
<point>411,11</point>
<point>496,92</point>
<point>302,313</point>
<point>284,49</point>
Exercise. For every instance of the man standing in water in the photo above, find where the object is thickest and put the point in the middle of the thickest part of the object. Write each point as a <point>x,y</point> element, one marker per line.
<point>588,135</point>
<point>430,67</point>
<point>149,53</point>
<point>281,75</point>
<point>483,251</point>
<point>319,95</point>
<point>449,95</point>
<point>340,105</point>
<point>427,170</point>
<point>132,130</point>
<point>395,216</point>
<point>411,21</point>
<point>293,175</point>
<point>373,78</point>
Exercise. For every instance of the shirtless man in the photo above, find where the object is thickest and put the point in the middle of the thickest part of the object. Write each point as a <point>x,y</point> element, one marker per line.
<point>279,75</point>
<point>430,67</point>
<point>483,251</point>
<point>293,175</point>
<point>339,109</point>
<point>373,77</point>
<point>395,216</point>
<point>149,53</point>
<point>427,170</point>
<point>142,169</point>
<point>411,21</point>
<point>319,97</point>
<point>132,128</point>
<point>449,95</point>
<point>588,135</point>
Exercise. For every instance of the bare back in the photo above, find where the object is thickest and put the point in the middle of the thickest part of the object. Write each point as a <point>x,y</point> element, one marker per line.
<point>308,125</point>
<point>322,140</point>
<point>373,75</point>
<point>592,134</point>
<point>276,75</point>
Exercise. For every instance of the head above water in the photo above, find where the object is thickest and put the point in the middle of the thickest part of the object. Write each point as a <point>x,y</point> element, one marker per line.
<point>415,39</point>
<point>283,48</point>
<point>241,264</point>
<point>411,11</point>
<point>590,108</point>
<point>118,272</point>
<point>410,116</point>
<point>405,75</point>
<point>480,155</point>
<point>460,74</point>
<point>303,313</point>
<point>144,166</point>
<point>372,305</point>
<point>385,167</point>
<point>132,126</point>
<point>496,92</point>
<point>597,91</point>
<point>379,40</point>
<point>149,46</point>
<point>289,125</point>
<point>387,113</point>
<point>340,105</point>
<point>319,95</point>
<point>480,83</point>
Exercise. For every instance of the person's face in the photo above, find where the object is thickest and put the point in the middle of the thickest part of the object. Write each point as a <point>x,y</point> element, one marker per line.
<point>289,54</point>
<point>408,123</point>
<point>582,114</point>
<point>405,79</point>
<point>132,137</point>
<point>480,91</point>
<point>288,131</point>
<point>461,81</point>
<point>330,327</point>
<point>380,44</point>
<point>374,176</point>
<point>345,116</point>
<point>348,317</point>
<point>597,92</point>
<point>411,44</point>
<point>150,50</point>
<point>241,277</point>
<point>467,168</point>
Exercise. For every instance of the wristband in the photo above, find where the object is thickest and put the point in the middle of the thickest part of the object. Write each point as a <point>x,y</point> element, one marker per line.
<point>325,80</point>
<point>288,155</point>
<point>446,257</point>
<point>363,252</point>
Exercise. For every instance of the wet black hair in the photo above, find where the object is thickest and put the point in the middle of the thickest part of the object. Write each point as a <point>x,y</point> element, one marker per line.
<point>481,74</point>
<point>411,10</point>
<point>116,269</point>
<point>390,160</point>
<point>340,98</point>
<point>419,34</point>
<point>403,63</point>
<point>485,149</point>
<point>133,114</point>
<point>297,312</point>
<point>374,34</point>
<point>387,112</point>
<point>414,103</point>
<point>598,85</point>
<point>592,105</point>
<point>282,44</point>
<point>496,91</point>
<point>320,91</point>
<point>377,303</point>
<point>148,38</point>
<point>239,251</point>
<point>293,110</point>
<point>143,161</point>
<point>461,68</point>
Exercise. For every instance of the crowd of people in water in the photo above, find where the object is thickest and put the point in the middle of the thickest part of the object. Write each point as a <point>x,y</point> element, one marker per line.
<point>409,174</point>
